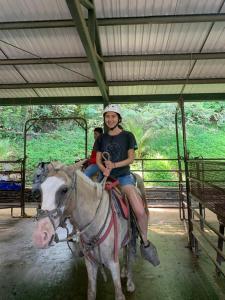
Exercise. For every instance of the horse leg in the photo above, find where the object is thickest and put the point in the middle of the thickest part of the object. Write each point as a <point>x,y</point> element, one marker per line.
<point>130,282</point>
<point>115,271</point>
<point>123,272</point>
<point>127,269</point>
<point>92,269</point>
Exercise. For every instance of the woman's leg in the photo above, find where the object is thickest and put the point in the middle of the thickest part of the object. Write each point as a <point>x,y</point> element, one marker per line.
<point>138,208</point>
<point>91,170</point>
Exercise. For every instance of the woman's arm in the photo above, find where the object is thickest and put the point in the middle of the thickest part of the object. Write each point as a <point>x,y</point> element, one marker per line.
<point>109,165</point>
<point>99,161</point>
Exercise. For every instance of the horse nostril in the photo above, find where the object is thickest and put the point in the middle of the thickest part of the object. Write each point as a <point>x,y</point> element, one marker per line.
<point>45,235</point>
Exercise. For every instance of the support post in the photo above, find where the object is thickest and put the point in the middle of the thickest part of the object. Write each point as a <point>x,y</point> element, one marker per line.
<point>186,158</point>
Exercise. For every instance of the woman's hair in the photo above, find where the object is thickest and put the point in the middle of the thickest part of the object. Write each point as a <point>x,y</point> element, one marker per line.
<point>99,130</point>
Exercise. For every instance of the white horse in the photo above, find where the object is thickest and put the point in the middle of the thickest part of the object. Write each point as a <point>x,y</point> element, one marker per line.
<point>68,193</point>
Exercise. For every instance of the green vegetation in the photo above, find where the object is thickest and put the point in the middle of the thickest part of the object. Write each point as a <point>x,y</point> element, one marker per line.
<point>152,124</point>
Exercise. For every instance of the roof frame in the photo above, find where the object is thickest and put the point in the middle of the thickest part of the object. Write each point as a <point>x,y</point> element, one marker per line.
<point>91,41</point>
<point>113,99</point>
<point>112,83</point>
<point>162,19</point>
<point>116,58</point>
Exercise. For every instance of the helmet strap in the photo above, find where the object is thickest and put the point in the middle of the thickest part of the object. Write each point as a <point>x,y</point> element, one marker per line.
<point>114,126</point>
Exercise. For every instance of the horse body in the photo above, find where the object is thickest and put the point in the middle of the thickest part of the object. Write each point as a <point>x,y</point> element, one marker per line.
<point>67,192</point>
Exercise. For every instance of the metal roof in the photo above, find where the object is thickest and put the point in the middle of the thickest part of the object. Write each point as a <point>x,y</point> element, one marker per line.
<point>84,51</point>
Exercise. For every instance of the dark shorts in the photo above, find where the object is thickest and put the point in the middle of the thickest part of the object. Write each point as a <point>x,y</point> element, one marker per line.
<point>126,180</point>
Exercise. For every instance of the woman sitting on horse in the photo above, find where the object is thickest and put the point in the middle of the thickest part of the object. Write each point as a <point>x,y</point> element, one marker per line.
<point>121,146</point>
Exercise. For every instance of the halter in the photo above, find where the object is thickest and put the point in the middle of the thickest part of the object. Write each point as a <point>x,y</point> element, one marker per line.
<point>56,212</point>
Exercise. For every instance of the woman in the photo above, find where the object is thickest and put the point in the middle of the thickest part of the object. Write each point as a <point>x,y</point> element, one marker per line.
<point>121,146</point>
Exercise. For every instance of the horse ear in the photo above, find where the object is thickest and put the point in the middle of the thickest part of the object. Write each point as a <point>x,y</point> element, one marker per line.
<point>54,165</point>
<point>80,163</point>
<point>50,167</point>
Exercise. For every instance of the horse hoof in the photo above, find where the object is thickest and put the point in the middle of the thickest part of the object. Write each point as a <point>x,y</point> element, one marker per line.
<point>130,287</point>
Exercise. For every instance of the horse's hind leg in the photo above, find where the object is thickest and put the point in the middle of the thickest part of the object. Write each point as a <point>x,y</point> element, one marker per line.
<point>130,282</point>
<point>127,268</point>
<point>92,269</point>
<point>123,272</point>
<point>115,271</point>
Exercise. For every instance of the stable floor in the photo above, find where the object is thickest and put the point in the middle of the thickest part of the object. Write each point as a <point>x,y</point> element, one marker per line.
<point>29,273</point>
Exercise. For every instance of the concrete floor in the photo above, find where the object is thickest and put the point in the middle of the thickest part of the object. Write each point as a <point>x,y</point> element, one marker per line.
<point>29,273</point>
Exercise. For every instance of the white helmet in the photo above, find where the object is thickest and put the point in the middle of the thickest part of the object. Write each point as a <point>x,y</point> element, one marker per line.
<point>113,108</point>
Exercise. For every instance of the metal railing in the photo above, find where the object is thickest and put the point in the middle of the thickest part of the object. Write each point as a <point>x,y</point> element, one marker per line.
<point>143,169</point>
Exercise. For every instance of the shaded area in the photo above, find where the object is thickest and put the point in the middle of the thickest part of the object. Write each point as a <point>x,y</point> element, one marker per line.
<point>29,273</point>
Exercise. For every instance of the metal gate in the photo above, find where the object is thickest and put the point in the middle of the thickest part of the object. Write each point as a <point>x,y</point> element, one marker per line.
<point>40,123</point>
<point>204,190</point>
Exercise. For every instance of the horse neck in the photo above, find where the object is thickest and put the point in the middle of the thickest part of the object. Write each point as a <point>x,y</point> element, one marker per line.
<point>88,208</point>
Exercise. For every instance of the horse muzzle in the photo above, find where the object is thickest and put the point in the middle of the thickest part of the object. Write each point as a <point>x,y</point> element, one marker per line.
<point>44,234</point>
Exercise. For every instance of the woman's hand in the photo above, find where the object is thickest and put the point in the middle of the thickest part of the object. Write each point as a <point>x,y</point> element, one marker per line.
<point>109,164</point>
<point>106,172</point>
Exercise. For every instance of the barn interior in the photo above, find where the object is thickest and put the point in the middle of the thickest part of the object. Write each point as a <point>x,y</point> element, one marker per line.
<point>99,52</point>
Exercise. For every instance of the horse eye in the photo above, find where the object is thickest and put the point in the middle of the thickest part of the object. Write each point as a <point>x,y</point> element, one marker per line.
<point>65,190</point>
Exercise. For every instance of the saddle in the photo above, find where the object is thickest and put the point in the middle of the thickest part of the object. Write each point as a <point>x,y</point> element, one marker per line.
<point>120,202</point>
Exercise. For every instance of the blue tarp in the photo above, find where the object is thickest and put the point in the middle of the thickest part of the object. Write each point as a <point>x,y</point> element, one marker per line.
<point>9,186</point>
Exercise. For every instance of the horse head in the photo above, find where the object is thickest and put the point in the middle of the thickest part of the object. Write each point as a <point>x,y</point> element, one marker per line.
<point>55,191</point>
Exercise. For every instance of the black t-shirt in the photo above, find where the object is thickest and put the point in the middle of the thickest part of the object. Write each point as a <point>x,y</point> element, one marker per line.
<point>117,146</point>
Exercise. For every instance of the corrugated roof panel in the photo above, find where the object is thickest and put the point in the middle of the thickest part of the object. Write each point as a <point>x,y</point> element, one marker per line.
<point>145,89</point>
<point>2,56</point>
<point>223,9</point>
<point>147,70</point>
<point>47,73</point>
<point>209,69</point>
<point>16,93</point>
<point>216,38</point>
<point>153,38</point>
<point>10,75</point>
<point>45,42</point>
<point>70,91</point>
<point>27,10</point>
<point>133,8</point>
<point>204,88</point>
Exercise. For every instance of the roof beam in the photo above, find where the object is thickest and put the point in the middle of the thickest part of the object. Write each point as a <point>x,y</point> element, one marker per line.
<point>47,85</point>
<point>162,19</point>
<point>88,4</point>
<point>88,38</point>
<point>167,81</point>
<point>113,99</point>
<point>116,58</point>
<point>111,83</point>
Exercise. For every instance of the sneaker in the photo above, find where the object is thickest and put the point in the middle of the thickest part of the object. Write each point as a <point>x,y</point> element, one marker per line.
<point>149,253</point>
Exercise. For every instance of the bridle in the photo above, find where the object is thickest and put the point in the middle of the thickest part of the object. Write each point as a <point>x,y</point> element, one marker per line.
<point>57,212</point>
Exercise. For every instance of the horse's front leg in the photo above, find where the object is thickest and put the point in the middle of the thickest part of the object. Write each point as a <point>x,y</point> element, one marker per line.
<point>115,271</point>
<point>92,269</point>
